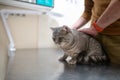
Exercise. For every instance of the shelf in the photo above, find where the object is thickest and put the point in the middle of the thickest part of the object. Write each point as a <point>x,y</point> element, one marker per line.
<point>25,5</point>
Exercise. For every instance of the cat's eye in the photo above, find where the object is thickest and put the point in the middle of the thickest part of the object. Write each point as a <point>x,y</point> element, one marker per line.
<point>53,39</point>
<point>61,38</point>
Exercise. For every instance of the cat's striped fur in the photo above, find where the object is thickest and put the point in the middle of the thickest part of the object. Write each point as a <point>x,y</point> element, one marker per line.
<point>82,48</point>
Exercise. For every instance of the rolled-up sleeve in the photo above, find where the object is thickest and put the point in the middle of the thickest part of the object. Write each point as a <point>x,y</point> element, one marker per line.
<point>88,9</point>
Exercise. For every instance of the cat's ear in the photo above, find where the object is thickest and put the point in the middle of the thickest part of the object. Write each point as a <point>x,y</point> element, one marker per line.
<point>53,29</point>
<point>66,29</point>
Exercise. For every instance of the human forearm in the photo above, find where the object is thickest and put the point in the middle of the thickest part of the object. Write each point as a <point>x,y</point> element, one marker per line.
<point>79,23</point>
<point>86,16</point>
<point>110,15</point>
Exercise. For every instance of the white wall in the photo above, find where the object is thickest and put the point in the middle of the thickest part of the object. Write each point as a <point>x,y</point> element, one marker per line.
<point>24,30</point>
<point>71,9</point>
<point>30,31</point>
<point>33,31</point>
<point>45,33</point>
<point>3,51</point>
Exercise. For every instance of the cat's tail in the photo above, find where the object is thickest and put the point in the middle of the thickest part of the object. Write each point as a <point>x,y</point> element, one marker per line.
<point>103,60</point>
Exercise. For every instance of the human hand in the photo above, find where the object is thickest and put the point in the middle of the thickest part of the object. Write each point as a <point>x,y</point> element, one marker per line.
<point>91,30</point>
<point>74,27</point>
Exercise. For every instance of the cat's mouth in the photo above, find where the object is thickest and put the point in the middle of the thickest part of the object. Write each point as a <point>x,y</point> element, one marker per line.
<point>58,40</point>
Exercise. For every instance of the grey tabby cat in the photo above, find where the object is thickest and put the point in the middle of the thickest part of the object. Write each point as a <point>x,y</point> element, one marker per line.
<point>82,48</point>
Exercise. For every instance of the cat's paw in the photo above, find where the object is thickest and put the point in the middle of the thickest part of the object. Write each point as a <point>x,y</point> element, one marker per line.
<point>72,61</point>
<point>62,59</point>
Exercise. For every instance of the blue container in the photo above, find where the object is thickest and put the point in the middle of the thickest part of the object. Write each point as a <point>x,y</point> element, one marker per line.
<point>48,3</point>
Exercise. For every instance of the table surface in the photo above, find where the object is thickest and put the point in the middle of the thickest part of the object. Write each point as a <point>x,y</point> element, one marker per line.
<point>43,64</point>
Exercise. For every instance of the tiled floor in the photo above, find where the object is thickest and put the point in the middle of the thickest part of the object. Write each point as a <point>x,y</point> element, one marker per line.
<point>43,64</point>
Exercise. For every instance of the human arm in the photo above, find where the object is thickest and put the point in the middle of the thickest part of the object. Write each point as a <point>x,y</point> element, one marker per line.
<point>79,23</point>
<point>85,17</point>
<point>109,16</point>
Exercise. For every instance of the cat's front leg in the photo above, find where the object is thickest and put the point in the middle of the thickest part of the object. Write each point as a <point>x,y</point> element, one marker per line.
<point>73,60</point>
<point>86,60</point>
<point>63,58</point>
